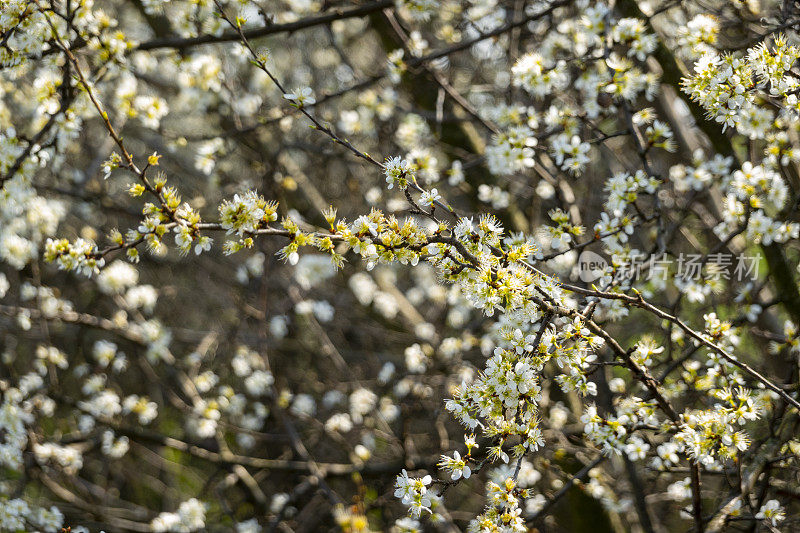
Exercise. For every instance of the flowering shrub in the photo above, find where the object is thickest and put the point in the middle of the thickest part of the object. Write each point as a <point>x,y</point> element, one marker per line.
<point>399,265</point>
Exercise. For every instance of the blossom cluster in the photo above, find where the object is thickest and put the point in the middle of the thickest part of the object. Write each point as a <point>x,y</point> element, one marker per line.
<point>510,139</point>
